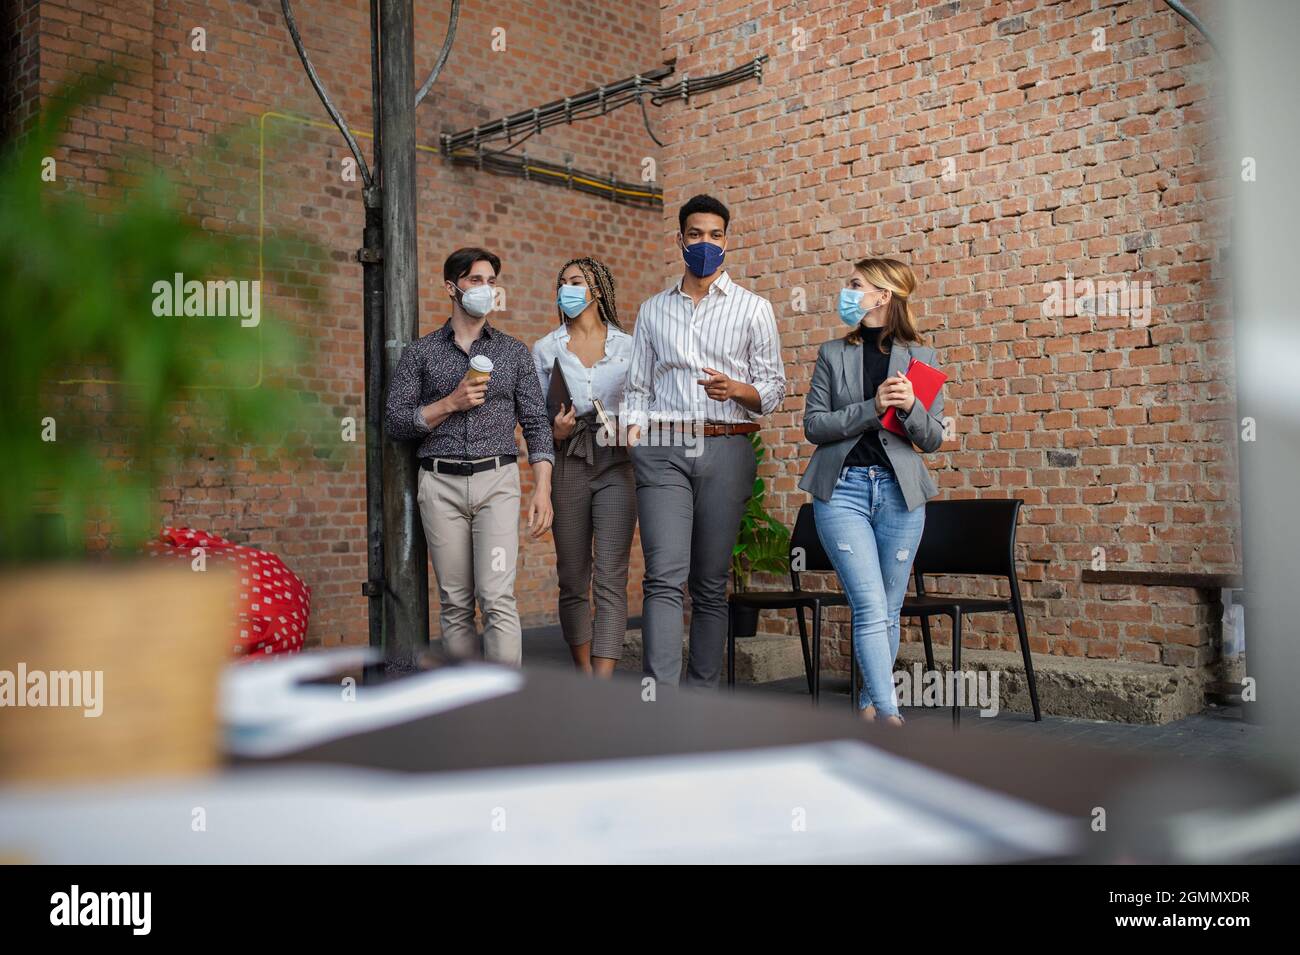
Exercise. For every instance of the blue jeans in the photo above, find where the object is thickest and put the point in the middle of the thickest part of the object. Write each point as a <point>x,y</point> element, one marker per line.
<point>871,538</point>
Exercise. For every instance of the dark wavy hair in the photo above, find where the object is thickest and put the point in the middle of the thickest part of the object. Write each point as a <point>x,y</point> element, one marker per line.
<point>458,264</point>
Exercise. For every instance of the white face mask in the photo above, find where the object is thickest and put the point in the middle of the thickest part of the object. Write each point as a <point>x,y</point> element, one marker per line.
<point>478,300</point>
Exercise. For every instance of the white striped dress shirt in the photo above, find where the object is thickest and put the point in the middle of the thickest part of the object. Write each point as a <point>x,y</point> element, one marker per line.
<point>732,330</point>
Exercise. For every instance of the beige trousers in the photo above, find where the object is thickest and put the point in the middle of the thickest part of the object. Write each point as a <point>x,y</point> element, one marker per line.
<point>471,524</point>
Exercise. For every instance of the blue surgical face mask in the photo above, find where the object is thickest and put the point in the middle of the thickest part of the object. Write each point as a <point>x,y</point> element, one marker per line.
<point>572,300</point>
<point>702,258</point>
<point>850,306</point>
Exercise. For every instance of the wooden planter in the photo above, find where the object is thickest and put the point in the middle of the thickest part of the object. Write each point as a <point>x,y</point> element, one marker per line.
<point>159,635</point>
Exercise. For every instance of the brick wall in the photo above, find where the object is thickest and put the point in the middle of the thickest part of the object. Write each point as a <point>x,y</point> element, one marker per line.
<point>19,65</point>
<point>988,144</point>
<point>993,148</point>
<point>172,103</point>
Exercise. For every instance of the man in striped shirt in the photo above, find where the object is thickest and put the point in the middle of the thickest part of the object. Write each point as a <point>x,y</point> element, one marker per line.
<point>706,364</point>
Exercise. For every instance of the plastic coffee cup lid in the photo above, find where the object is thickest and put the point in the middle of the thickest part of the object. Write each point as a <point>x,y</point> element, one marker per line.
<point>481,363</point>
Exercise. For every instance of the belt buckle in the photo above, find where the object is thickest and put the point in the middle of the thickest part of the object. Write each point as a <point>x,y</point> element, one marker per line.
<point>460,468</point>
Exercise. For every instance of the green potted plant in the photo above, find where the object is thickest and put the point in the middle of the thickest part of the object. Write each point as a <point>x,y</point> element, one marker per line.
<point>762,547</point>
<point>103,397</point>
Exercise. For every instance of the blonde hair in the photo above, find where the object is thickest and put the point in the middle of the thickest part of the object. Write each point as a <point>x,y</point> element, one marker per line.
<point>899,280</point>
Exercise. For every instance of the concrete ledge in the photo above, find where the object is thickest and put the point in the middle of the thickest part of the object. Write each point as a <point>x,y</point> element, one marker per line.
<point>1067,686</point>
<point>760,659</point>
<point>1080,687</point>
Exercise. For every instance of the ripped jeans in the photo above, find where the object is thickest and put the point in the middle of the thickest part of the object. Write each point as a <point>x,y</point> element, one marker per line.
<point>871,538</point>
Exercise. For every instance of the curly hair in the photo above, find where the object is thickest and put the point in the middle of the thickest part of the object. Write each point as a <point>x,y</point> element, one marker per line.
<point>599,280</point>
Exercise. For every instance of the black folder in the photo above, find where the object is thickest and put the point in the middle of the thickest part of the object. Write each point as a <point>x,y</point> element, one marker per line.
<point>557,393</point>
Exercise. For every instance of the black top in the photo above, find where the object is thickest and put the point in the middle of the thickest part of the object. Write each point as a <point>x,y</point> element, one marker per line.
<point>875,369</point>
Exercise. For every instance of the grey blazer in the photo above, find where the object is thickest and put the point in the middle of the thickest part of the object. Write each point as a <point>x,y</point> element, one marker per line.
<point>835,416</point>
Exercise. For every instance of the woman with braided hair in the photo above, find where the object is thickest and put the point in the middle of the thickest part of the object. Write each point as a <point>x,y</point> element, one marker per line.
<point>593,488</point>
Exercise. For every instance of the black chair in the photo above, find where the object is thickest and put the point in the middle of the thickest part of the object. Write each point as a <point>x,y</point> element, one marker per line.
<point>975,537</point>
<point>806,554</point>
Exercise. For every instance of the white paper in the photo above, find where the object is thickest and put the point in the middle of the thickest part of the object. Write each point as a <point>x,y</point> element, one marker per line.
<point>832,802</point>
<point>267,711</point>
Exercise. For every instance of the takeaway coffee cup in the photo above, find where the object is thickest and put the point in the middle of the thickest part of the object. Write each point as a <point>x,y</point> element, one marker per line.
<point>480,368</point>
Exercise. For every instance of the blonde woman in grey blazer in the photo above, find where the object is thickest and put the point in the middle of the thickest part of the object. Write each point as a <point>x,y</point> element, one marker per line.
<point>869,485</point>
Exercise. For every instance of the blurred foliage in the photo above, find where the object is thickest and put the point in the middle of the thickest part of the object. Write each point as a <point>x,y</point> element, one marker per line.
<point>77,279</point>
<point>763,544</point>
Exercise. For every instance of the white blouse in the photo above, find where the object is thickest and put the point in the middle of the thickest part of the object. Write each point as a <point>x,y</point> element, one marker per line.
<point>604,380</point>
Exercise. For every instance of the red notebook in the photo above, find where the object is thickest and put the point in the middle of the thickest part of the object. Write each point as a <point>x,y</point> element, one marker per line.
<point>926,382</point>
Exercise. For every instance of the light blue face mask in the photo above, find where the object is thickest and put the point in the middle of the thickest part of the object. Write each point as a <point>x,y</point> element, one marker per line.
<point>851,306</point>
<point>572,300</point>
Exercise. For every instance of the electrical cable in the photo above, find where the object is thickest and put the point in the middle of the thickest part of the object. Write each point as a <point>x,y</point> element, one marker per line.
<point>499,163</point>
<point>598,102</point>
<point>442,56</point>
<point>1191,18</point>
<point>366,177</point>
<point>466,148</point>
<point>645,117</point>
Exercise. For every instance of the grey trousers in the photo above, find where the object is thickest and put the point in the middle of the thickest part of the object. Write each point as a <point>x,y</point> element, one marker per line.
<point>595,517</point>
<point>690,509</point>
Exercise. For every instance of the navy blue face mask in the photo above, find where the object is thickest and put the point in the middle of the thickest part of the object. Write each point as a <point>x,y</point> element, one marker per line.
<point>702,258</point>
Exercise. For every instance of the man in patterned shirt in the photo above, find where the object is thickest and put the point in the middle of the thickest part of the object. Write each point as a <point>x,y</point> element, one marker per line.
<point>469,478</point>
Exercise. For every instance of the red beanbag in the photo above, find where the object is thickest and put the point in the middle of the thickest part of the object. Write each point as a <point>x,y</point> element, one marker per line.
<point>271,609</point>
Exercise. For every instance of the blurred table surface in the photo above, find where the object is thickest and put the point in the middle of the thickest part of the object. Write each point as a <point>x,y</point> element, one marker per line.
<point>561,717</point>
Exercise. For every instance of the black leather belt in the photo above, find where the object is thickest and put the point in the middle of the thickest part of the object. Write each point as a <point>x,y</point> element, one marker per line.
<point>466,468</point>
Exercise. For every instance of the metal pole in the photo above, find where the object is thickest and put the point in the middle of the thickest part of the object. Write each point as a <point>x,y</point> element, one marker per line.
<point>406,573</point>
<point>371,256</point>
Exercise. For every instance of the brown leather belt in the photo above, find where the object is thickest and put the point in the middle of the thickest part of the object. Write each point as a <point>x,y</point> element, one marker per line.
<point>714,430</point>
<point>710,430</point>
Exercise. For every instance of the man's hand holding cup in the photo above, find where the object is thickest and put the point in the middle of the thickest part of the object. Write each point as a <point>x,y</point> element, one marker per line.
<point>472,390</point>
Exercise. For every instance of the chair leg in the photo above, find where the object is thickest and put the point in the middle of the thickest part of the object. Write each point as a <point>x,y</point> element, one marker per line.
<point>803,642</point>
<point>1019,612</point>
<point>731,645</point>
<point>817,654</point>
<point>929,647</point>
<point>956,664</point>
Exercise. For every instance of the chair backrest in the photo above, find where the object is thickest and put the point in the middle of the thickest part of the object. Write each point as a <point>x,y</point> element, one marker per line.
<point>806,551</point>
<point>969,537</point>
